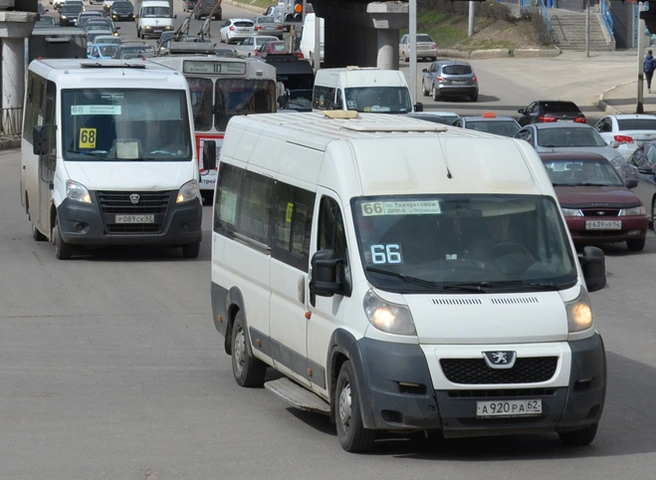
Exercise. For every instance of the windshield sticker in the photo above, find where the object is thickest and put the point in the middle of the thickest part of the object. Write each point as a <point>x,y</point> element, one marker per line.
<point>95,109</point>
<point>290,212</point>
<point>87,138</point>
<point>128,150</point>
<point>429,207</point>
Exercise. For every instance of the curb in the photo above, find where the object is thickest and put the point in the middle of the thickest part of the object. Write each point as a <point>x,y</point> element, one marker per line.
<point>9,143</point>
<point>536,52</point>
<point>245,6</point>
<point>500,53</point>
<point>608,108</point>
<point>490,53</point>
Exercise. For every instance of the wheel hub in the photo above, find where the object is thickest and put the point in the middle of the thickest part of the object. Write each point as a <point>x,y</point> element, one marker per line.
<point>345,406</point>
<point>240,349</point>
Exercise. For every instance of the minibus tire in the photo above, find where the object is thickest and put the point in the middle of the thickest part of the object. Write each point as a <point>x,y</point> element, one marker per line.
<point>353,437</point>
<point>585,436</point>
<point>63,250</point>
<point>248,371</point>
<point>191,250</point>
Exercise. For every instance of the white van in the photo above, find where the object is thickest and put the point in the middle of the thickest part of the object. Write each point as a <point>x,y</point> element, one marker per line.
<point>362,89</point>
<point>404,276</point>
<point>108,156</point>
<point>154,17</point>
<point>307,37</point>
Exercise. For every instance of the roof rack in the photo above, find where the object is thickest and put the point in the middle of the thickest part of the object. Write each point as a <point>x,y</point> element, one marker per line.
<point>180,48</point>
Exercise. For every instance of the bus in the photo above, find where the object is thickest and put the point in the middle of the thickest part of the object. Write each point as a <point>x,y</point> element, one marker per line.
<point>220,88</point>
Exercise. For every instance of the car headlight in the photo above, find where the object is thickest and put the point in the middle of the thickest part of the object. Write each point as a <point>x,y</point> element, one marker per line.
<point>77,191</point>
<point>63,17</point>
<point>388,317</point>
<point>169,27</point>
<point>187,192</point>
<point>626,212</point>
<point>572,212</point>
<point>579,313</point>
<point>148,27</point>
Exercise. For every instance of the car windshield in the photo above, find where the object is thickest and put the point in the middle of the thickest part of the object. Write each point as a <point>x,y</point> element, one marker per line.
<point>636,124</point>
<point>106,50</point>
<point>560,107</point>
<point>157,12</point>
<point>122,6</point>
<point>463,243</point>
<point>242,97</point>
<point>46,20</point>
<point>498,127</point>
<point>125,125</point>
<point>569,137</point>
<point>70,9</point>
<point>564,172</point>
<point>457,70</point>
<point>378,99</point>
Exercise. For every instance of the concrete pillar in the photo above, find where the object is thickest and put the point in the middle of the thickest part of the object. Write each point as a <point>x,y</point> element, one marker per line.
<point>388,49</point>
<point>13,72</point>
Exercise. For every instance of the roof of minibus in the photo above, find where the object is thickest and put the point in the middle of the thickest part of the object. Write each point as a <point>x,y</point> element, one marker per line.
<point>381,154</point>
<point>359,77</point>
<point>82,73</point>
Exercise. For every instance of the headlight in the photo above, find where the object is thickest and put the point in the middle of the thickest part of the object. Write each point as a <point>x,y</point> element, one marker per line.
<point>626,212</point>
<point>388,317</point>
<point>77,191</point>
<point>169,27</point>
<point>187,192</point>
<point>148,27</point>
<point>63,17</point>
<point>579,313</point>
<point>572,212</point>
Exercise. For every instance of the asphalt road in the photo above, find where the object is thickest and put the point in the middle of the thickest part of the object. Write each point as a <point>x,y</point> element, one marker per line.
<point>110,368</point>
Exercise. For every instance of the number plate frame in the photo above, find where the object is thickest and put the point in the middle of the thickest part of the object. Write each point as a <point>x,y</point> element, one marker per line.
<point>126,218</point>
<point>603,224</point>
<point>509,408</point>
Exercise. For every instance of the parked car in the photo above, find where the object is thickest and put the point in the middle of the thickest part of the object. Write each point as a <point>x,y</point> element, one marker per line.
<point>641,166</point>
<point>568,137</point>
<point>102,51</point>
<point>134,50</point>
<point>426,47</point>
<point>452,78</point>
<point>248,46</point>
<point>122,10</point>
<point>236,29</point>
<point>548,111</point>
<point>627,130</point>
<point>491,123</point>
<point>597,203</point>
<point>46,21</point>
<point>268,26</point>
<point>445,118</point>
<point>84,17</point>
<point>68,15</point>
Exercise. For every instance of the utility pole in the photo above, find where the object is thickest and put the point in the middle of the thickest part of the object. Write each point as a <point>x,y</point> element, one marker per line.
<point>641,53</point>
<point>472,8</point>
<point>587,27</point>
<point>413,50</point>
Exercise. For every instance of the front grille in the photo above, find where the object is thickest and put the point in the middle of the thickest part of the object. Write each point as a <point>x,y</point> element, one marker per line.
<point>119,203</point>
<point>502,394</point>
<point>601,213</point>
<point>474,371</point>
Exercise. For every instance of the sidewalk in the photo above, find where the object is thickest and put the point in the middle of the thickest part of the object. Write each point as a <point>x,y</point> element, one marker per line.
<point>622,99</point>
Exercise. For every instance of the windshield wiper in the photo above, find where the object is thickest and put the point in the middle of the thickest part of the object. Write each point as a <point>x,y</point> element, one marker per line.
<point>546,286</point>
<point>405,278</point>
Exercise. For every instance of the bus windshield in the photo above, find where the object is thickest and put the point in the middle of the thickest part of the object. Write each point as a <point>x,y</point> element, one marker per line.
<point>378,99</point>
<point>125,124</point>
<point>156,12</point>
<point>241,97</point>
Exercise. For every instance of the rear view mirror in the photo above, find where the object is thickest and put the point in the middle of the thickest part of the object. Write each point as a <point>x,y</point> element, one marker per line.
<point>521,110</point>
<point>209,155</point>
<point>593,264</point>
<point>39,140</point>
<point>419,107</point>
<point>324,282</point>
<point>632,183</point>
<point>424,70</point>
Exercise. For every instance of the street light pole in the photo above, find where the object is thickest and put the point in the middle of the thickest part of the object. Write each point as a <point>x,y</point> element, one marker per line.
<point>413,50</point>
<point>470,29</point>
<point>641,52</point>
<point>587,27</point>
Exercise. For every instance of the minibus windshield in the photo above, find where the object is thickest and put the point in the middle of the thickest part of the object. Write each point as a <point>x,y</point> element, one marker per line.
<point>378,99</point>
<point>125,125</point>
<point>463,243</point>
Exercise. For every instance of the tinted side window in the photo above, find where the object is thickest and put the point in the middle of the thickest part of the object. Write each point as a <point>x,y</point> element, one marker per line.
<point>292,224</point>
<point>36,87</point>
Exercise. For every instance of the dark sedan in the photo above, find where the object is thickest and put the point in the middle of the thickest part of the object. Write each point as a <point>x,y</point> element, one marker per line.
<point>598,205</point>
<point>547,111</point>
<point>68,15</point>
<point>121,11</point>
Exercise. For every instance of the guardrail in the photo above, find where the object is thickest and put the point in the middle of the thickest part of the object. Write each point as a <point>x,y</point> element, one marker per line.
<point>12,121</point>
<point>607,17</point>
<point>544,6</point>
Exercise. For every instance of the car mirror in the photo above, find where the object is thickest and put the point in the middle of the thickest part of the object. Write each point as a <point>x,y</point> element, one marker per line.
<point>631,183</point>
<point>117,28</point>
<point>324,282</point>
<point>424,70</point>
<point>175,16</point>
<point>209,155</point>
<point>521,110</point>
<point>419,107</point>
<point>593,264</point>
<point>614,143</point>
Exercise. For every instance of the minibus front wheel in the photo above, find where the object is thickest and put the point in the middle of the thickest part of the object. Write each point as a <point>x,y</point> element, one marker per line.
<point>63,250</point>
<point>351,433</point>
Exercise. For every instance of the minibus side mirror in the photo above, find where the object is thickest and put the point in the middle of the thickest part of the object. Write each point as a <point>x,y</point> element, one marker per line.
<point>593,264</point>
<point>39,140</point>
<point>419,107</point>
<point>521,110</point>
<point>324,282</point>
<point>209,155</point>
<point>631,183</point>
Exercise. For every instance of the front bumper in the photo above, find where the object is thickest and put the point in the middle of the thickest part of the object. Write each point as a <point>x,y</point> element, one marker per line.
<point>633,228</point>
<point>397,394</point>
<point>93,224</point>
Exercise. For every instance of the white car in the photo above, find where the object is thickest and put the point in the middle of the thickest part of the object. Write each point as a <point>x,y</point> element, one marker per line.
<point>235,29</point>
<point>628,131</point>
<point>248,46</point>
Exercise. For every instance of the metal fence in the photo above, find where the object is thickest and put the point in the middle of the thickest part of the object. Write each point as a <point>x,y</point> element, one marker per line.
<point>12,122</point>
<point>607,17</point>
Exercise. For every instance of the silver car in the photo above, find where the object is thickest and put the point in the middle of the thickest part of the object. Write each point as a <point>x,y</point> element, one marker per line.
<point>248,46</point>
<point>426,47</point>
<point>268,26</point>
<point>452,78</point>
<point>568,137</point>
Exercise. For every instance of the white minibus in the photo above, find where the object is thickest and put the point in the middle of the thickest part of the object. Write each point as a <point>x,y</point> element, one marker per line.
<point>108,156</point>
<point>404,277</point>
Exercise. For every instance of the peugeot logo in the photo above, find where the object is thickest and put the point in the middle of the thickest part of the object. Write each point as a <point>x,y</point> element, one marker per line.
<point>134,198</point>
<point>500,360</point>
<point>601,212</point>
